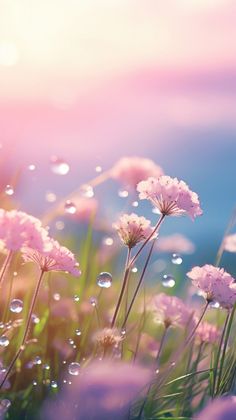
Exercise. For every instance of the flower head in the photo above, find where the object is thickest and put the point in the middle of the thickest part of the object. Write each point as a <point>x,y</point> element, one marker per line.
<point>58,258</point>
<point>108,338</point>
<point>85,209</point>
<point>175,243</point>
<point>131,170</point>
<point>133,229</point>
<point>171,310</point>
<point>219,409</point>
<point>216,284</point>
<point>19,229</point>
<point>230,243</point>
<point>207,333</point>
<point>170,196</point>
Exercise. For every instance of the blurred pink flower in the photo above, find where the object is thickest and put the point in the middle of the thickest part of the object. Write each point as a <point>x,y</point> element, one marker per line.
<point>216,284</point>
<point>108,338</point>
<point>170,196</point>
<point>175,243</point>
<point>131,170</point>
<point>59,258</point>
<point>19,229</point>
<point>170,310</point>
<point>207,333</point>
<point>219,409</point>
<point>230,243</point>
<point>133,229</point>
<point>103,390</point>
<point>86,209</point>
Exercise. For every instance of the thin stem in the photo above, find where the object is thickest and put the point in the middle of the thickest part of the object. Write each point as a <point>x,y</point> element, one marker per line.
<point>138,285</point>
<point>218,353</point>
<point>228,229</point>
<point>229,325</point>
<point>163,337</point>
<point>5,266</point>
<point>191,335</point>
<point>125,279</point>
<point>147,240</point>
<point>27,327</point>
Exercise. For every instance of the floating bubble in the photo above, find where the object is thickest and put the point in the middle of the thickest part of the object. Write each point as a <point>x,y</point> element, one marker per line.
<point>104,280</point>
<point>108,241</point>
<point>59,225</point>
<point>134,270</point>
<point>9,190</point>
<point>87,191</point>
<point>74,368</point>
<point>98,169</point>
<point>135,204</point>
<point>4,341</point>
<point>31,167</point>
<point>70,207</point>
<point>168,281</point>
<point>176,259</point>
<point>59,166</point>
<point>50,197</point>
<point>16,306</point>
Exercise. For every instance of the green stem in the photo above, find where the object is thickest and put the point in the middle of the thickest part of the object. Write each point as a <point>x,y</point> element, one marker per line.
<point>124,284</point>
<point>5,266</point>
<point>27,327</point>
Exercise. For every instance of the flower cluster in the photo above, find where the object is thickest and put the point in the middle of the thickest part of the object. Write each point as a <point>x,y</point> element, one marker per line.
<point>131,170</point>
<point>108,338</point>
<point>170,310</point>
<point>19,229</point>
<point>133,229</point>
<point>175,243</point>
<point>207,333</point>
<point>216,284</point>
<point>170,196</point>
<point>230,243</point>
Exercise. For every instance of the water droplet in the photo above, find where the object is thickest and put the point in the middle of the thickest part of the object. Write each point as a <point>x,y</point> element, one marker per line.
<point>176,259</point>
<point>98,169</point>
<point>57,296</point>
<point>74,368</point>
<point>123,193</point>
<point>15,273</point>
<point>9,190</point>
<point>215,305</point>
<point>108,241</point>
<point>168,281</point>
<point>59,225</point>
<point>104,280</point>
<point>134,270</point>
<point>16,306</point>
<point>78,332</point>
<point>31,167</point>
<point>135,204</point>
<point>123,332</point>
<point>35,319</point>
<point>50,197</point>
<point>59,166</point>
<point>69,207</point>
<point>87,191</point>
<point>54,384</point>
<point>64,362</point>
<point>71,341</point>
<point>76,298</point>
<point>37,361</point>
<point>93,301</point>
<point>46,366</point>
<point>4,341</point>
<point>64,381</point>
<point>173,364</point>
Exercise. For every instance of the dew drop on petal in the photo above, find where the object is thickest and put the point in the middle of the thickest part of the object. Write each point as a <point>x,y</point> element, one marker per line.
<point>9,190</point>
<point>123,193</point>
<point>168,281</point>
<point>4,341</point>
<point>16,306</point>
<point>176,259</point>
<point>74,368</point>
<point>70,207</point>
<point>59,166</point>
<point>104,280</point>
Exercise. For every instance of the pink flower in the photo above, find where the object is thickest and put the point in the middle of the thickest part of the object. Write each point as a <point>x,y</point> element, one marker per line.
<point>133,229</point>
<point>219,409</point>
<point>19,229</point>
<point>175,243</point>
<point>170,196</point>
<point>103,390</point>
<point>86,209</point>
<point>216,284</point>
<point>59,258</point>
<point>170,310</point>
<point>230,243</point>
<point>131,170</point>
<point>207,333</point>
